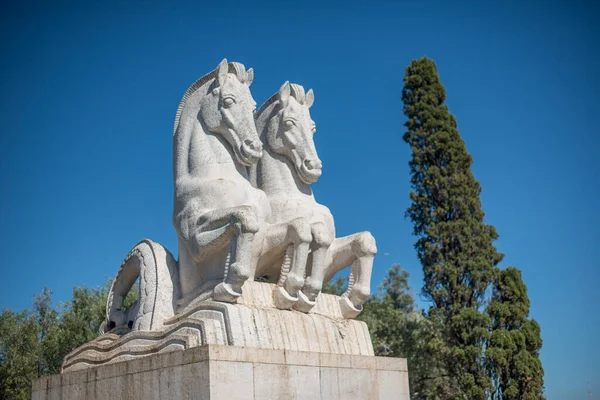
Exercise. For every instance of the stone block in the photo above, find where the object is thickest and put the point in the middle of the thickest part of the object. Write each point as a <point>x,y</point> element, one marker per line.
<point>215,372</point>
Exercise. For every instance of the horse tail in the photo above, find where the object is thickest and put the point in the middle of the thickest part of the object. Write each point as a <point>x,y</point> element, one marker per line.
<point>286,265</point>
<point>156,269</point>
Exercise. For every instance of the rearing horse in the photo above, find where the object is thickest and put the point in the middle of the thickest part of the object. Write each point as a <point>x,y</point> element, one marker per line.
<point>216,212</point>
<point>289,166</point>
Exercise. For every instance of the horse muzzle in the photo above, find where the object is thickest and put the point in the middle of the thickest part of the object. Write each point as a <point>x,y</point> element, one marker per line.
<point>310,171</point>
<point>251,151</point>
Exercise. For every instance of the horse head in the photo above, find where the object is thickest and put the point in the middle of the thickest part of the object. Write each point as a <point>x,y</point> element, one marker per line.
<point>290,131</point>
<point>228,110</point>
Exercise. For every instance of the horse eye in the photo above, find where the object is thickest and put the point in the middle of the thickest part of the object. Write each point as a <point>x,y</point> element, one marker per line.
<point>228,102</point>
<point>289,123</point>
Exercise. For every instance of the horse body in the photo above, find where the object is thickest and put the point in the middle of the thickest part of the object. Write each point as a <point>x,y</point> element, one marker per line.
<point>233,226</point>
<point>217,213</point>
<point>289,165</point>
<point>288,201</point>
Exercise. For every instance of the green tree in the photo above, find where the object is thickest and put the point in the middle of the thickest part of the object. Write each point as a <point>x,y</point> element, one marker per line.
<point>81,318</point>
<point>34,342</point>
<point>515,343</point>
<point>19,349</point>
<point>337,287</point>
<point>47,324</point>
<point>454,245</point>
<point>398,328</point>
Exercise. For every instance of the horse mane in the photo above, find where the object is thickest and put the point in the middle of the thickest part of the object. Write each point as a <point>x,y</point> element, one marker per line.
<point>296,92</point>
<point>233,68</point>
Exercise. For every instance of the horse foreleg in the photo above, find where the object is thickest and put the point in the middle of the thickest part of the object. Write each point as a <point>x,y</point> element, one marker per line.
<point>218,228</point>
<point>321,240</point>
<point>239,271</point>
<point>359,250</point>
<point>295,236</point>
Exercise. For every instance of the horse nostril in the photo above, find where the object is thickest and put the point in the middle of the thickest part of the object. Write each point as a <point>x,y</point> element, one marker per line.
<point>250,144</point>
<point>312,164</point>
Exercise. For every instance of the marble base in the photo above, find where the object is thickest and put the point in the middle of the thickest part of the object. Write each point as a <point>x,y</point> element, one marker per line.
<point>218,372</point>
<point>252,322</point>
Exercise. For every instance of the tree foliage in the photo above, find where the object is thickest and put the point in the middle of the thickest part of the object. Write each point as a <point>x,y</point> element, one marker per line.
<point>398,328</point>
<point>515,343</point>
<point>454,244</point>
<point>34,342</point>
<point>19,354</point>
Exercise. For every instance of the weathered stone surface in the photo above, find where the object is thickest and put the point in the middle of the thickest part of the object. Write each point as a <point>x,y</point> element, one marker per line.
<point>241,213</point>
<point>254,249</point>
<point>289,165</point>
<point>217,213</point>
<point>252,322</point>
<point>215,372</point>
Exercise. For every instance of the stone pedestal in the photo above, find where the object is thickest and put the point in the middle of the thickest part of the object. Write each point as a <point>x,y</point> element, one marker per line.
<point>218,372</point>
<point>252,322</point>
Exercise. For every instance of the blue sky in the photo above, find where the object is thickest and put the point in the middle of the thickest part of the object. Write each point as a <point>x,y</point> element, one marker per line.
<point>89,93</point>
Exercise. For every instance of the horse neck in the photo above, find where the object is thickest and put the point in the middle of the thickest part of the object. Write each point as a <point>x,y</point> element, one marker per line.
<point>199,153</point>
<point>277,176</point>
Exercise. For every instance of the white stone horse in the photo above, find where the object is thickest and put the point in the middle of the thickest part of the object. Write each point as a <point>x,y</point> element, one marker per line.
<point>289,166</point>
<point>217,212</point>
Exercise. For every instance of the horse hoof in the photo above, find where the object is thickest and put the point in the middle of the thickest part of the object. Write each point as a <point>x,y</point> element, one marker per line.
<point>304,304</point>
<point>349,310</point>
<point>224,292</point>
<point>282,299</point>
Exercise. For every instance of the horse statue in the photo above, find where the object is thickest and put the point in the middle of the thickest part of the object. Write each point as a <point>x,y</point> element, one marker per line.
<point>217,212</point>
<point>243,210</point>
<point>288,167</point>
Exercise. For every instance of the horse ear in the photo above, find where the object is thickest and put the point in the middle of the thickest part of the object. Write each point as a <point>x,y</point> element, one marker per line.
<point>222,70</point>
<point>249,76</point>
<point>284,92</point>
<point>310,98</point>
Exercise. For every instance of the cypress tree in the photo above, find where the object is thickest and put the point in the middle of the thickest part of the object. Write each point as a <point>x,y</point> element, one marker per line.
<point>515,343</point>
<point>454,245</point>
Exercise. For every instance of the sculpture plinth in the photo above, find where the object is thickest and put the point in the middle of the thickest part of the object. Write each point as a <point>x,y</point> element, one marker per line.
<point>254,249</point>
<point>253,322</point>
<point>234,373</point>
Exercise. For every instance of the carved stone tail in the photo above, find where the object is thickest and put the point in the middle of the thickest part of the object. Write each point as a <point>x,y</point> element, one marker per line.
<point>156,269</point>
<point>281,298</point>
<point>286,265</point>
